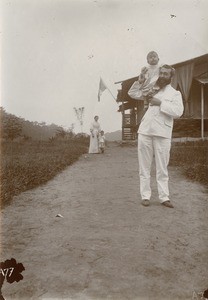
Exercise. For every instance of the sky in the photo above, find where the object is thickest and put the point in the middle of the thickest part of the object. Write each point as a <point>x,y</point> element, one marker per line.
<point>53,52</point>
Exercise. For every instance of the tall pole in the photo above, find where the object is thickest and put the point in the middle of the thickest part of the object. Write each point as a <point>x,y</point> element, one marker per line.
<point>202,111</point>
<point>111,93</point>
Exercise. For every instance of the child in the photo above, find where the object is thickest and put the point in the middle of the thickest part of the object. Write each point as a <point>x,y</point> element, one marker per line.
<point>101,141</point>
<point>147,79</point>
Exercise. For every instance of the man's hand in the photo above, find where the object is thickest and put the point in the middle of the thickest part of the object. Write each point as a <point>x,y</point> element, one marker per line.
<point>154,101</point>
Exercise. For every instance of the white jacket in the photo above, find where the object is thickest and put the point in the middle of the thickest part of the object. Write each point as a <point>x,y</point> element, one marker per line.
<point>158,120</point>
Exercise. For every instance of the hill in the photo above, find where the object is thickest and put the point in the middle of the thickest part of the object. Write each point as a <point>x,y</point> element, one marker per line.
<point>13,127</point>
<point>114,136</point>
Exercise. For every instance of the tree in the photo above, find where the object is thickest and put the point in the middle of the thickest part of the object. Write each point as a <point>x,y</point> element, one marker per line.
<point>11,125</point>
<point>71,128</point>
<point>80,115</point>
<point>60,133</point>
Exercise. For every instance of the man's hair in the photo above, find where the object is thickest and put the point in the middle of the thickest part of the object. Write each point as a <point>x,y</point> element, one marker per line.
<point>172,73</point>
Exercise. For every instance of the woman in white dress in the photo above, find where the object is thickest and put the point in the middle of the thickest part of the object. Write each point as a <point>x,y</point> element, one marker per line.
<point>94,130</point>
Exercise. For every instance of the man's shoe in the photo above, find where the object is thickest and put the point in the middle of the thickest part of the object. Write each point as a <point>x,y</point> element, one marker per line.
<point>145,202</point>
<point>167,204</point>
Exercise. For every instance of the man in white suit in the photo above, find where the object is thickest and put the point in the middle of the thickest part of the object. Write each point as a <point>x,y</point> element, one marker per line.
<point>154,135</point>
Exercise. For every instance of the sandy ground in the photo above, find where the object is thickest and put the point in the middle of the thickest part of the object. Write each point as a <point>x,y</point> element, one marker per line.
<point>107,245</point>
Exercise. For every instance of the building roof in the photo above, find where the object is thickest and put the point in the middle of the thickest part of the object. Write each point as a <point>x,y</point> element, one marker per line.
<point>198,60</point>
<point>200,77</point>
<point>203,78</point>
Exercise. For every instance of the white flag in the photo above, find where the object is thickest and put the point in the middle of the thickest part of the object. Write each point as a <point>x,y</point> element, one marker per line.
<point>102,88</point>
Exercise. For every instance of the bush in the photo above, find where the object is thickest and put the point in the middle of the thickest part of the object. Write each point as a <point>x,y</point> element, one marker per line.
<point>28,164</point>
<point>11,126</point>
<point>192,157</point>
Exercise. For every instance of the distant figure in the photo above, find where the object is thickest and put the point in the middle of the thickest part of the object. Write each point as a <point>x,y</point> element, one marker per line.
<point>94,134</point>
<point>101,142</point>
<point>146,79</point>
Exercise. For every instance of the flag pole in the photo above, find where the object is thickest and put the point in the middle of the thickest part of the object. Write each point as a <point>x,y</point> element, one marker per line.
<point>111,93</point>
<point>102,87</point>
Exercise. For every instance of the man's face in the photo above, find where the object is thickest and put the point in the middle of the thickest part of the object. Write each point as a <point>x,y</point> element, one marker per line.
<point>164,77</point>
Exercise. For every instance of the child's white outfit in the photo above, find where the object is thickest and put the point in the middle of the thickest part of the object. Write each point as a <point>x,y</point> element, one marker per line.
<point>151,77</point>
<point>101,143</point>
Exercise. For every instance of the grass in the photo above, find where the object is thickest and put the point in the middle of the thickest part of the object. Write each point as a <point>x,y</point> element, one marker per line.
<point>25,165</point>
<point>192,158</point>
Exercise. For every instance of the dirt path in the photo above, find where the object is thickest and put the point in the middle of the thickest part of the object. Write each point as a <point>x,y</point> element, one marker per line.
<point>107,246</point>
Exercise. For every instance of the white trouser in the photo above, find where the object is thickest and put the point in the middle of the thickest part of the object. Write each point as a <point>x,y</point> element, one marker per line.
<point>160,147</point>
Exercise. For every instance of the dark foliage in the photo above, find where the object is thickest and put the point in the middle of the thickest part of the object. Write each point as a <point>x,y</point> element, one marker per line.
<point>28,164</point>
<point>192,157</point>
<point>11,126</point>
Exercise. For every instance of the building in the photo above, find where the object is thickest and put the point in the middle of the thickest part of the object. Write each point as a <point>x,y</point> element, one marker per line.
<point>191,78</point>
